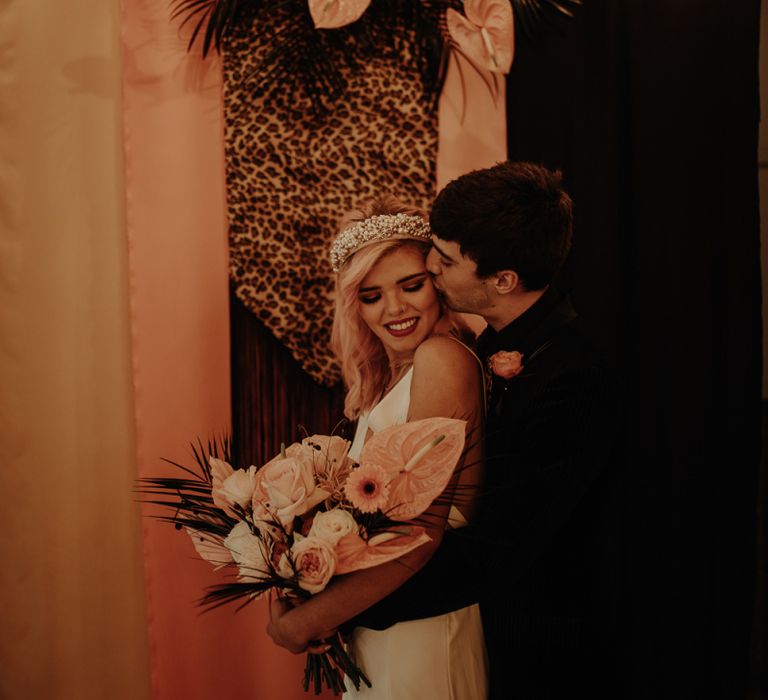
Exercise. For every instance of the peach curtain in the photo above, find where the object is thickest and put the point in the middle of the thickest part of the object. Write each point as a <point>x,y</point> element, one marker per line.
<point>472,121</point>
<point>177,235</point>
<point>71,589</point>
<point>472,129</point>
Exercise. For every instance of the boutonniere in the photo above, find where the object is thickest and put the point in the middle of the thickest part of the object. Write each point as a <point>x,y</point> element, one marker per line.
<point>506,364</point>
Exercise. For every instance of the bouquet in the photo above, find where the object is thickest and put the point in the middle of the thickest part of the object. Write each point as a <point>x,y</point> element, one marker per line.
<point>310,514</point>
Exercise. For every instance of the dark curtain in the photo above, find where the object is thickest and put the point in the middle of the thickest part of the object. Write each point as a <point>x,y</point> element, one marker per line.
<point>650,108</point>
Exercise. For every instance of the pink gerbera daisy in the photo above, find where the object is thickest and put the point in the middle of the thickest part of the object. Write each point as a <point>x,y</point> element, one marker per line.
<point>367,488</point>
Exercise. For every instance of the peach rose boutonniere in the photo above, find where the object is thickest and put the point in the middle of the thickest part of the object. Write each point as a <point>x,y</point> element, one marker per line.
<point>506,364</point>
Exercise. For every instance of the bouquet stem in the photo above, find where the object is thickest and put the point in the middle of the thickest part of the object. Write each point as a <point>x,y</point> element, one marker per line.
<point>330,667</point>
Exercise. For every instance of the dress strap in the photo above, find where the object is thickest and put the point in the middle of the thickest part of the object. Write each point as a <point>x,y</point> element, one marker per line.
<point>479,362</point>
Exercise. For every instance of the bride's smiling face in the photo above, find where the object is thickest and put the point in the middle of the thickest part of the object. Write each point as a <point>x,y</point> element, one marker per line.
<point>398,302</point>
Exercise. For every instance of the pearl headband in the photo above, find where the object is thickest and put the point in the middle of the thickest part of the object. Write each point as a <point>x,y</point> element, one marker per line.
<point>381,227</point>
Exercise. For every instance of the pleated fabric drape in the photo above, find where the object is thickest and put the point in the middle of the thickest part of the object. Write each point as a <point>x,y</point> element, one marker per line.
<point>114,353</point>
<point>177,235</point>
<point>71,589</point>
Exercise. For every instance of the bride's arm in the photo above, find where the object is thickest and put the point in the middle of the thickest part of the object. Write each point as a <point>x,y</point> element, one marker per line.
<point>447,381</point>
<point>447,375</point>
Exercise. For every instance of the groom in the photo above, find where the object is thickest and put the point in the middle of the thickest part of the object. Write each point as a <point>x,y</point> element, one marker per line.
<point>542,558</point>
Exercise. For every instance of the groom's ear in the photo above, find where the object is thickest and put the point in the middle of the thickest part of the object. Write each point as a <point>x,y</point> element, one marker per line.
<point>506,281</point>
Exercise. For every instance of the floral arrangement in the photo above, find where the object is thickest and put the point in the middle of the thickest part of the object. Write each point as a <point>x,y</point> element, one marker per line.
<point>316,38</point>
<point>309,514</point>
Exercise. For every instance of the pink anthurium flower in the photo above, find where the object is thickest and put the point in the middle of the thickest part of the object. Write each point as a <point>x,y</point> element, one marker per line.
<point>332,14</point>
<point>354,553</point>
<point>486,35</point>
<point>420,457</point>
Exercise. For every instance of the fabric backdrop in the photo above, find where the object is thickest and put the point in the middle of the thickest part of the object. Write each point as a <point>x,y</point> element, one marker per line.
<point>107,359</point>
<point>71,583</point>
<point>177,236</point>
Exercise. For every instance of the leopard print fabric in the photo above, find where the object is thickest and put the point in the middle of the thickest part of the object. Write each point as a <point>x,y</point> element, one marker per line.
<point>291,175</point>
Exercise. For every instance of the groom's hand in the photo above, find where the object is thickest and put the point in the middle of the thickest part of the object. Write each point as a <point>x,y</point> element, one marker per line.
<point>285,634</point>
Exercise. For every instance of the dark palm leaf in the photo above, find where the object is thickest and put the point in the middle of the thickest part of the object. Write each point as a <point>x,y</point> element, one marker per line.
<point>214,18</point>
<point>531,13</point>
<point>190,498</point>
<point>225,593</point>
<point>294,53</point>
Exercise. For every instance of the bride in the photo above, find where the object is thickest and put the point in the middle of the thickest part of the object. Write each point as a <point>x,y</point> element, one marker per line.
<point>402,360</point>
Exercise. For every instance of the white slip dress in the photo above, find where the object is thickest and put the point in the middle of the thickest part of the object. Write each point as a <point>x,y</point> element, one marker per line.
<point>440,657</point>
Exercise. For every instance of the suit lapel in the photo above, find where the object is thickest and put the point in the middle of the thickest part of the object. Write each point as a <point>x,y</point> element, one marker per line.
<point>531,334</point>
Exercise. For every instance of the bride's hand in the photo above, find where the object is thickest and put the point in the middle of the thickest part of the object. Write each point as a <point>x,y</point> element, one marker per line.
<point>285,634</point>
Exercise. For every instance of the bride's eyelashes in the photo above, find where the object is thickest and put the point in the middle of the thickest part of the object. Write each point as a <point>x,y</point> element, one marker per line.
<point>373,298</point>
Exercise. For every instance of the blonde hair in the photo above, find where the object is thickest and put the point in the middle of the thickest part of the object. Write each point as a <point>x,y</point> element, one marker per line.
<point>364,362</point>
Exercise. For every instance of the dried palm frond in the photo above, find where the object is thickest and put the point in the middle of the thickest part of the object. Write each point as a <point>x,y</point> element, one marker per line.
<point>294,52</point>
<point>531,13</point>
<point>190,498</point>
<point>214,18</point>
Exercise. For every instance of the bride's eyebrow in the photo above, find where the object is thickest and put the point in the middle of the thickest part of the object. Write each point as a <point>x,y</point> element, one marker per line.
<point>403,280</point>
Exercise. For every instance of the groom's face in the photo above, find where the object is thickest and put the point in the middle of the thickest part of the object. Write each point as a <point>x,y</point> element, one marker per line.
<point>455,277</point>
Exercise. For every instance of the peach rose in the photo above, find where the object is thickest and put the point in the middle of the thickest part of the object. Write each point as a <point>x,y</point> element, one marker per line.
<point>285,487</point>
<point>315,562</point>
<point>506,364</point>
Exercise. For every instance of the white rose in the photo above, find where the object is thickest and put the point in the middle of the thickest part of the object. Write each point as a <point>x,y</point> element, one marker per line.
<point>332,525</point>
<point>236,489</point>
<point>248,551</point>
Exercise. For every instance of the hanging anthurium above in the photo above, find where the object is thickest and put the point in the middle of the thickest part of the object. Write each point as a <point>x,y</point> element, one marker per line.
<point>320,39</point>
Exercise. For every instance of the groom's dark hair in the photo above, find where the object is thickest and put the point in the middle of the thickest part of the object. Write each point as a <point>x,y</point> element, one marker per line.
<point>513,216</point>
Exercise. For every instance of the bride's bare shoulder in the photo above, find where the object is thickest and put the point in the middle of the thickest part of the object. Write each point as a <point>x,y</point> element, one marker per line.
<point>441,354</point>
<point>447,380</point>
